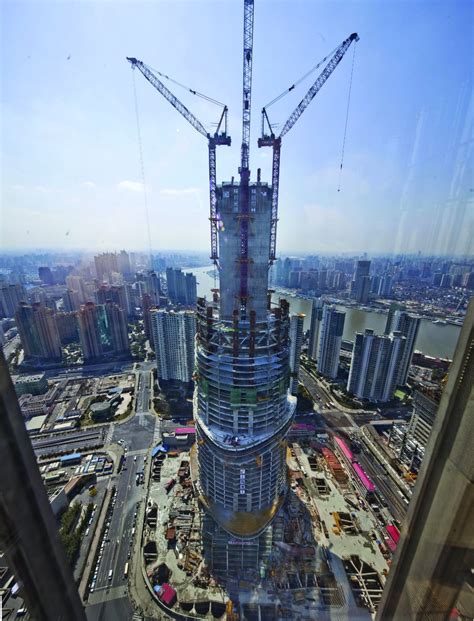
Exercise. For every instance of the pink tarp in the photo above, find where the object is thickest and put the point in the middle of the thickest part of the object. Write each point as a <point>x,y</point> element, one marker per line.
<point>369,486</point>
<point>393,532</point>
<point>183,430</point>
<point>344,448</point>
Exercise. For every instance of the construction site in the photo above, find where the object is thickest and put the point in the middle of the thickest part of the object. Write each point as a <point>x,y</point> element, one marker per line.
<point>326,554</point>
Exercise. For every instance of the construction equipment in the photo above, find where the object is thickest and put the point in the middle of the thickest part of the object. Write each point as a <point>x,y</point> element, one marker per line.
<point>244,171</point>
<point>213,140</point>
<point>270,140</point>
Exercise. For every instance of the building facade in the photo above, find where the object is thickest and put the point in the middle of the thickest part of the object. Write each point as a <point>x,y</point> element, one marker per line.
<point>330,341</point>
<point>173,340</point>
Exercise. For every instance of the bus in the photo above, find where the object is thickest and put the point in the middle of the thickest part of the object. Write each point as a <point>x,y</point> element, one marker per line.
<point>125,571</point>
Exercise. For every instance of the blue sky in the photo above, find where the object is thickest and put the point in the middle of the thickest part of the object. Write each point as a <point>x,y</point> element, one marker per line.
<point>70,161</point>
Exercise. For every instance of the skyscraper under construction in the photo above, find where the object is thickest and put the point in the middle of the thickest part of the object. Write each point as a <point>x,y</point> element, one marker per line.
<point>242,405</point>
<point>243,408</point>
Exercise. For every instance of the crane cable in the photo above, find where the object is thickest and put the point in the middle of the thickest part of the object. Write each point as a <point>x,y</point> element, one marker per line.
<point>142,167</point>
<point>295,84</point>
<point>347,119</point>
<point>187,88</point>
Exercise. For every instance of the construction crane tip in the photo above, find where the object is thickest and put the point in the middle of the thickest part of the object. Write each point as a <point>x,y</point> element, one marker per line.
<point>354,36</point>
<point>131,60</point>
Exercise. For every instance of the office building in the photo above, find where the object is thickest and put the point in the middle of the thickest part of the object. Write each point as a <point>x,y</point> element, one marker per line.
<point>316,318</point>
<point>243,408</point>
<point>173,341</point>
<point>408,325</point>
<point>182,288</point>
<point>330,341</point>
<point>10,297</point>
<point>375,365</point>
<point>102,331</point>
<point>38,332</point>
<point>360,287</point>
<point>296,341</point>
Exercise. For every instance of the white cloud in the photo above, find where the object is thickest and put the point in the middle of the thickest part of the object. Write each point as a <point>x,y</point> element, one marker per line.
<point>132,186</point>
<point>179,191</point>
<point>88,184</point>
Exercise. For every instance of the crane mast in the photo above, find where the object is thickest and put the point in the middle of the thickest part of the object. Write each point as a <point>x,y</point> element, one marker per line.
<point>213,140</point>
<point>270,140</point>
<point>244,154</point>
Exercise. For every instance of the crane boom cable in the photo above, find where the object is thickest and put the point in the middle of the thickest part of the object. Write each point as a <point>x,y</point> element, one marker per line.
<point>187,88</point>
<point>347,119</point>
<point>142,166</point>
<point>298,82</point>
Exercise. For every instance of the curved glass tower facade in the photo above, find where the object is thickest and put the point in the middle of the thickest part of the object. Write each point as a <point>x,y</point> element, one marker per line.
<point>242,405</point>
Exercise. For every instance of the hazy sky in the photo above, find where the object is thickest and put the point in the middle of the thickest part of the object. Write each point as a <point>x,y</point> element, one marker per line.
<point>71,168</point>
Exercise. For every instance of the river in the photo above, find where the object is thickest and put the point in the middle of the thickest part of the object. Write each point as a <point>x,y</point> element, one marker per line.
<point>437,340</point>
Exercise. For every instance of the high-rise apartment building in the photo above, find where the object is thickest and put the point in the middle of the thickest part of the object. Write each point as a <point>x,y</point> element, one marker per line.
<point>296,341</point>
<point>153,286</point>
<point>76,283</point>
<point>409,441</point>
<point>118,294</point>
<point>45,275</point>
<point>38,332</point>
<point>173,340</point>
<point>102,330</point>
<point>182,288</point>
<point>71,300</point>
<point>385,286</point>
<point>105,264</point>
<point>10,297</point>
<point>314,329</point>
<point>67,327</point>
<point>243,408</point>
<point>360,287</point>
<point>408,325</point>
<point>330,341</point>
<point>123,264</point>
<point>375,365</point>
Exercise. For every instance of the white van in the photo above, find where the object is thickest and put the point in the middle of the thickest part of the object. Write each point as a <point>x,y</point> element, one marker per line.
<point>110,574</point>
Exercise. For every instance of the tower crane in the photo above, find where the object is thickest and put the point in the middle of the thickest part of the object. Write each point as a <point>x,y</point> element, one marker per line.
<point>270,140</point>
<point>244,171</point>
<point>213,140</point>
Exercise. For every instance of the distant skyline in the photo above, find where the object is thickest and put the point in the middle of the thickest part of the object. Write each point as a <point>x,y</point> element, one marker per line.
<point>71,175</point>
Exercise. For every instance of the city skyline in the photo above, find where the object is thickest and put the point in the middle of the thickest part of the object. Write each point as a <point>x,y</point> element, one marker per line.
<point>401,191</point>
